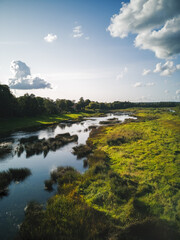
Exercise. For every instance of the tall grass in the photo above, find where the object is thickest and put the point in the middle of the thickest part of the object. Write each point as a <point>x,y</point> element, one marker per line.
<point>13,174</point>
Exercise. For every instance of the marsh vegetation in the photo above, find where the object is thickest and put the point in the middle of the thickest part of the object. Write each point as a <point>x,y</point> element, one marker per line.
<point>33,145</point>
<point>130,191</point>
<point>12,175</point>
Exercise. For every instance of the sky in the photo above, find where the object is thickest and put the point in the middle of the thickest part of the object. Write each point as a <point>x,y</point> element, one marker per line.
<point>105,50</point>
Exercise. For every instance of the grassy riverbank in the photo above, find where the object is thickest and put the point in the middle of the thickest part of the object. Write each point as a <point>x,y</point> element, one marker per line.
<point>16,124</point>
<point>131,190</point>
<point>144,154</point>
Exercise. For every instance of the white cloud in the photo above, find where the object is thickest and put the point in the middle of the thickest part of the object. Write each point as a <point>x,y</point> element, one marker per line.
<point>146,72</point>
<point>50,38</point>
<point>122,74</point>
<point>156,23</point>
<point>77,32</point>
<point>22,78</point>
<point>166,69</point>
<point>138,84</point>
<point>164,42</point>
<point>166,91</point>
<point>150,84</point>
<point>178,92</point>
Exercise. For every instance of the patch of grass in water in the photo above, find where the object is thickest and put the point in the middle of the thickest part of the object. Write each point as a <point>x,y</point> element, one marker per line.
<point>13,174</point>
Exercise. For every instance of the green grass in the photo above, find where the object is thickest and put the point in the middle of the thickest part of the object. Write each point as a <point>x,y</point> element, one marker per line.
<point>147,153</point>
<point>14,124</point>
<point>131,189</point>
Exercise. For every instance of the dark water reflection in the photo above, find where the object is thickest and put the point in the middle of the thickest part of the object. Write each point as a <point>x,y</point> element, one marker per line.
<point>12,206</point>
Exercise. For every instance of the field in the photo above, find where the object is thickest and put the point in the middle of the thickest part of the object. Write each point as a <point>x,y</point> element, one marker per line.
<point>25,123</point>
<point>130,191</point>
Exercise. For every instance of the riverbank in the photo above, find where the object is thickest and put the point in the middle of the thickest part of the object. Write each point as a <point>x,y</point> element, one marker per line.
<point>10,125</point>
<point>131,189</point>
<point>41,165</point>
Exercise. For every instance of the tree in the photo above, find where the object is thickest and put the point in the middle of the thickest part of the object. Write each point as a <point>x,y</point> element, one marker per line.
<point>8,103</point>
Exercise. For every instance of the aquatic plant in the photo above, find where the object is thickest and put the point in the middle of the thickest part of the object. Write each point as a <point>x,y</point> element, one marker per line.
<point>48,185</point>
<point>82,151</point>
<point>13,174</point>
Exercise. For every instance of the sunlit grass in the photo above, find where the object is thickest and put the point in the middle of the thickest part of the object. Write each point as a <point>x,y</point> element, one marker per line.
<point>14,124</point>
<point>131,189</point>
<point>147,152</point>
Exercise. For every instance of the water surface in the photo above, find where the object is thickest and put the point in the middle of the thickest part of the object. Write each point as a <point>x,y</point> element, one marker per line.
<point>12,206</point>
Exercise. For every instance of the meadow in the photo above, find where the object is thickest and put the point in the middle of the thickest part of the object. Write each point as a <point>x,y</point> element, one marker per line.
<point>8,125</point>
<point>130,191</point>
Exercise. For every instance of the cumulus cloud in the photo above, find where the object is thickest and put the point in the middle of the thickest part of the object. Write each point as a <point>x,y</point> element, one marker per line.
<point>122,73</point>
<point>22,78</point>
<point>156,23</point>
<point>50,38</point>
<point>164,42</point>
<point>166,69</point>
<point>77,32</point>
<point>146,72</point>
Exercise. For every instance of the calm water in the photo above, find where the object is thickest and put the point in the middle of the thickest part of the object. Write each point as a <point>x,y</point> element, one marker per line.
<point>12,206</point>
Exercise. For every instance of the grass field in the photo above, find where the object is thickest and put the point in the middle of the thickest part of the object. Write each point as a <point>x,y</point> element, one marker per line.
<point>147,153</point>
<point>131,190</point>
<point>15,124</point>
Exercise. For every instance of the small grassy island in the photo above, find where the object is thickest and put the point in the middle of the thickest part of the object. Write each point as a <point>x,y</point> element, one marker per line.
<point>12,175</point>
<point>131,190</point>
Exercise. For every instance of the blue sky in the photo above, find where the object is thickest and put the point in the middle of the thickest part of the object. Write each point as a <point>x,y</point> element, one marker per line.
<point>90,53</point>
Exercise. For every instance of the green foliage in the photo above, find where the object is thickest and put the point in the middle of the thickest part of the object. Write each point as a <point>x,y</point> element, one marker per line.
<point>8,103</point>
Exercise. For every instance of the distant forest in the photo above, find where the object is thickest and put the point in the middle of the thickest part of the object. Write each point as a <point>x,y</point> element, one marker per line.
<point>30,105</point>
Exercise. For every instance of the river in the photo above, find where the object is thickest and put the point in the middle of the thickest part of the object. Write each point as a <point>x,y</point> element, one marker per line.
<point>12,206</point>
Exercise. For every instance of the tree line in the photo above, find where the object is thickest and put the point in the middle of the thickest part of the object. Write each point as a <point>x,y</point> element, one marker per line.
<point>30,105</point>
